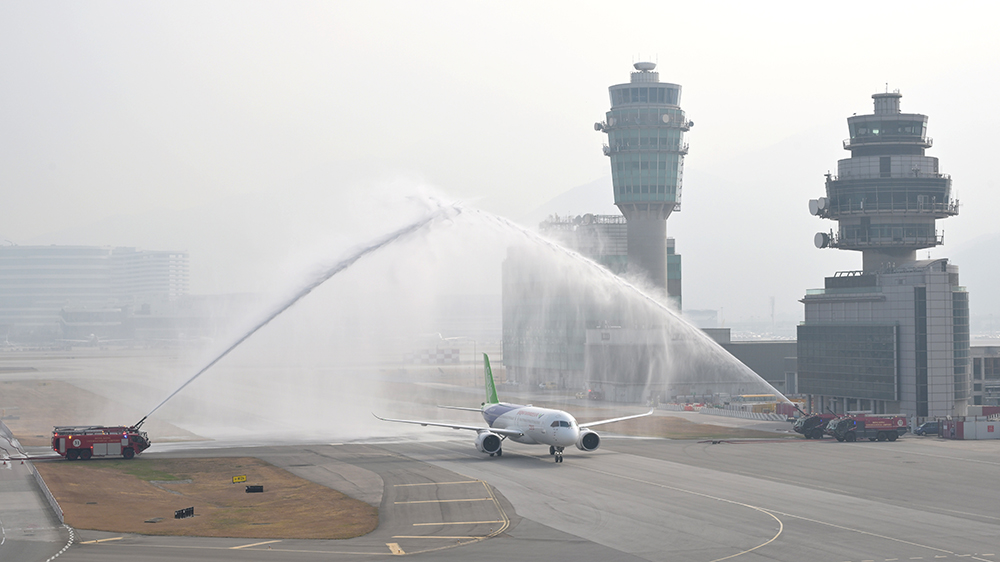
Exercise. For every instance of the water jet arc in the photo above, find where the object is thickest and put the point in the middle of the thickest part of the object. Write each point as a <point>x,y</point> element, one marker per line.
<point>442,212</point>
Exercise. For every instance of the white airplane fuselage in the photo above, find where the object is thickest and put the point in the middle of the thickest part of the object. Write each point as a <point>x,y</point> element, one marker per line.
<point>542,426</point>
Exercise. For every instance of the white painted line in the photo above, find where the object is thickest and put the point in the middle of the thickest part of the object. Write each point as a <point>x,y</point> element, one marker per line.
<point>448,501</point>
<point>254,544</point>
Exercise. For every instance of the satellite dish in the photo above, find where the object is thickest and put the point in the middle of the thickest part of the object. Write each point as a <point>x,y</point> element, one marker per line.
<point>666,117</point>
<point>822,240</point>
<point>822,201</point>
<point>813,207</point>
<point>588,218</point>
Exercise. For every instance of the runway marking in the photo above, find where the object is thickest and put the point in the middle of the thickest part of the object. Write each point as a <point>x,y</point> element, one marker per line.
<point>103,540</point>
<point>254,544</point>
<point>772,513</point>
<point>434,537</point>
<point>876,535</point>
<point>446,501</point>
<point>437,483</point>
<point>394,548</point>
<point>457,523</point>
<point>781,526</point>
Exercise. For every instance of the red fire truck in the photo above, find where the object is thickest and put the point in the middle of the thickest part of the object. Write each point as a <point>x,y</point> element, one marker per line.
<point>86,441</point>
<point>871,427</point>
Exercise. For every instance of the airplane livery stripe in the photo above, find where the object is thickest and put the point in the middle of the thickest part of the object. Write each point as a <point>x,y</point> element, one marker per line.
<point>491,413</point>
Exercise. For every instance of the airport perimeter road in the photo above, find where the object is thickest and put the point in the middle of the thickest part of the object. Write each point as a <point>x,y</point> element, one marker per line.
<point>28,529</point>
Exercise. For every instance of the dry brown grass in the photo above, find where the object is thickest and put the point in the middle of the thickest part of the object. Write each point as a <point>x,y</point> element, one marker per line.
<point>119,496</point>
<point>41,405</point>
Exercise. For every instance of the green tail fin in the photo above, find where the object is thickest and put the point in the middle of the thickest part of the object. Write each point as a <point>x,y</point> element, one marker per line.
<point>491,388</point>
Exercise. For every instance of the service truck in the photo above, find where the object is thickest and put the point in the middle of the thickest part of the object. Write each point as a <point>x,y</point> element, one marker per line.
<point>811,427</point>
<point>873,428</point>
<point>87,441</point>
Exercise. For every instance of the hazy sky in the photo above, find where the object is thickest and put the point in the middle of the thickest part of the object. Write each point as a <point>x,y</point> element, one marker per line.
<point>129,108</point>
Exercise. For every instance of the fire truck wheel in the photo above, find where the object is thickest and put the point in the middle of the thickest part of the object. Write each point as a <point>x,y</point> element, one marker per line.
<point>85,454</point>
<point>72,455</point>
<point>128,453</point>
<point>851,437</point>
<point>893,436</point>
<point>882,436</point>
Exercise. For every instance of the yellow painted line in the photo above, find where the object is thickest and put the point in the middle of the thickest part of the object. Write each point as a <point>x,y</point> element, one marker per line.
<point>437,483</point>
<point>103,540</point>
<point>254,544</point>
<point>435,537</point>
<point>448,501</point>
<point>457,523</point>
<point>394,548</point>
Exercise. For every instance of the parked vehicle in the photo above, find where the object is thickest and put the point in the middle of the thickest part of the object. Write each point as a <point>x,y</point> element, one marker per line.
<point>927,428</point>
<point>811,427</point>
<point>873,428</point>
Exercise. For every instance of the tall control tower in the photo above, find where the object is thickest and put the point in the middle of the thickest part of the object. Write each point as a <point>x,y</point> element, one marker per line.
<point>887,196</point>
<point>645,129</point>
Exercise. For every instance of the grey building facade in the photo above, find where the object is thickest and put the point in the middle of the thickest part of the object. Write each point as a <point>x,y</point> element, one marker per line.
<point>892,337</point>
<point>48,292</point>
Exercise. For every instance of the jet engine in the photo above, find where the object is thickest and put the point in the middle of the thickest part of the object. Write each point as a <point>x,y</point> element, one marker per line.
<point>488,442</point>
<point>588,441</point>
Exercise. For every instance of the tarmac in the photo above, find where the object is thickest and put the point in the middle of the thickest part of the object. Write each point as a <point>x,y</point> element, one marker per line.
<point>634,499</point>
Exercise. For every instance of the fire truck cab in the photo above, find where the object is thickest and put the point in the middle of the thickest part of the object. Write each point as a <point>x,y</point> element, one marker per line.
<point>85,442</point>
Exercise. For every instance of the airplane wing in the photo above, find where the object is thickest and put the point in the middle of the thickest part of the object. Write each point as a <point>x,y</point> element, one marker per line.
<point>480,410</point>
<point>479,429</point>
<point>601,422</point>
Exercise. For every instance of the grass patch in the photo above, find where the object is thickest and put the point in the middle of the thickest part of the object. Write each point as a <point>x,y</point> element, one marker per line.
<point>119,496</point>
<point>143,469</point>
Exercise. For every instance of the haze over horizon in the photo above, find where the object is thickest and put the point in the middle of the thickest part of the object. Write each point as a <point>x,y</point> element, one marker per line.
<point>243,132</point>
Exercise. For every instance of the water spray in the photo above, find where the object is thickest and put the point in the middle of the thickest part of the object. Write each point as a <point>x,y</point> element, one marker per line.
<point>607,275</point>
<point>440,213</point>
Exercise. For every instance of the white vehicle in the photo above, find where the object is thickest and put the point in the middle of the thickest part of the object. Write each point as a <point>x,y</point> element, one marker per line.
<point>525,424</point>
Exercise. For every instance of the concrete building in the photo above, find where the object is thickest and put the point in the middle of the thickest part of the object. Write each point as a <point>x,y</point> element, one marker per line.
<point>49,292</point>
<point>892,337</point>
<point>645,129</point>
<point>985,375</point>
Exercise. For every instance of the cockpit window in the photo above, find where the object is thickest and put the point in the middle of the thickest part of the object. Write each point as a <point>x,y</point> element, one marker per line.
<point>555,423</point>
<point>561,423</point>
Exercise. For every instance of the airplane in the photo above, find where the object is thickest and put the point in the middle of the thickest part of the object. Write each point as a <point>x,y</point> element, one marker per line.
<point>524,424</point>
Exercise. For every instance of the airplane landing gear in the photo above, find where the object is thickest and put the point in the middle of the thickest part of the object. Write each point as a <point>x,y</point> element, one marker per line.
<point>552,450</point>
<point>558,452</point>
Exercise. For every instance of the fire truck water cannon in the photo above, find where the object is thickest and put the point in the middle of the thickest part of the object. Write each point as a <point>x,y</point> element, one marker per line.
<point>87,441</point>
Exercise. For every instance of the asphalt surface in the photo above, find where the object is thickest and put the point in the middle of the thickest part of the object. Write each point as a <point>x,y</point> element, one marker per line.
<point>635,499</point>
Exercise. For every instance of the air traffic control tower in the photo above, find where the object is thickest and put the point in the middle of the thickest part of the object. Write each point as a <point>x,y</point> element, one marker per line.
<point>645,129</point>
<point>887,197</point>
<point>892,337</point>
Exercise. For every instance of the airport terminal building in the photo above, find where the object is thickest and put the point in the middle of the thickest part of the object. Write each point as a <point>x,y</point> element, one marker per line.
<point>51,292</point>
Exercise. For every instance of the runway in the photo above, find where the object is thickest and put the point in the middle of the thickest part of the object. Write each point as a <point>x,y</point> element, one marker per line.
<point>635,499</point>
